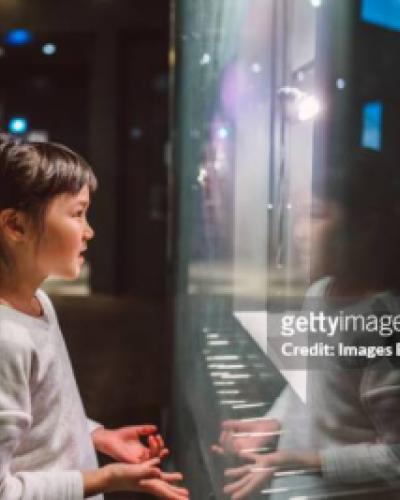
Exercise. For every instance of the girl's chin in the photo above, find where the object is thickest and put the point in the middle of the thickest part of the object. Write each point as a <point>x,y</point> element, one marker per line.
<point>70,275</point>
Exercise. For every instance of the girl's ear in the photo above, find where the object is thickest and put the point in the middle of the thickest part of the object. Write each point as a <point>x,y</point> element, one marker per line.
<point>13,224</point>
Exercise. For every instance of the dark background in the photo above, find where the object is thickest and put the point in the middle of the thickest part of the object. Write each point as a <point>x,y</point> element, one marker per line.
<point>105,94</point>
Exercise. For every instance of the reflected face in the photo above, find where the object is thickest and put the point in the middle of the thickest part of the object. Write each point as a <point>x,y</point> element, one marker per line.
<point>316,233</point>
<point>65,236</point>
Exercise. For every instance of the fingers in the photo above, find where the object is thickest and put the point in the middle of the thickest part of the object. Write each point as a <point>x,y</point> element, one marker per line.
<point>255,482</point>
<point>125,453</point>
<point>171,477</point>
<point>244,490</point>
<point>138,430</point>
<point>161,489</point>
<point>150,469</point>
<point>152,472</point>
<point>216,448</point>
<point>153,446</point>
<point>160,441</point>
<point>248,455</point>
<point>248,484</point>
<point>152,462</point>
<point>156,444</point>
<point>164,453</point>
<point>237,425</point>
<point>237,471</point>
<point>237,485</point>
<point>145,430</point>
<point>179,491</point>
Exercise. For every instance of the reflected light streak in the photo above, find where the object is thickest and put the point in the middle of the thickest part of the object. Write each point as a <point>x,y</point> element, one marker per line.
<point>218,342</point>
<point>248,405</point>
<point>223,357</point>
<point>224,366</point>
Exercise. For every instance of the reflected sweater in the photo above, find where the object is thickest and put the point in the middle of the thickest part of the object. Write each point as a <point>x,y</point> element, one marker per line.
<point>44,434</point>
<point>352,415</point>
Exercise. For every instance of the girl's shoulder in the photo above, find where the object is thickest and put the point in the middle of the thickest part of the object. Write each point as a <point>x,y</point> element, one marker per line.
<point>16,340</point>
<point>18,326</point>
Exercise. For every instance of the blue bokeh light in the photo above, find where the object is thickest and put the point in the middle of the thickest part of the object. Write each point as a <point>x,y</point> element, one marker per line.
<point>385,13</point>
<point>371,134</point>
<point>18,125</point>
<point>18,37</point>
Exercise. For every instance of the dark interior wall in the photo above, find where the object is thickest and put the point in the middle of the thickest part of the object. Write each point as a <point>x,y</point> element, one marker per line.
<point>111,90</point>
<point>142,180</point>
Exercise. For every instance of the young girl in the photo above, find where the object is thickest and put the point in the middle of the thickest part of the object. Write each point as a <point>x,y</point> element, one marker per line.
<point>47,445</point>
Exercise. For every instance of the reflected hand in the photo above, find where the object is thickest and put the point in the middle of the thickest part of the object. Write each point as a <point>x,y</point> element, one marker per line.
<point>251,477</point>
<point>246,435</point>
<point>124,444</point>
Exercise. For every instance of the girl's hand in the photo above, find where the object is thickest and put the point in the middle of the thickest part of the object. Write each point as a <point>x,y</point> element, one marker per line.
<point>124,444</point>
<point>144,477</point>
<point>119,477</point>
<point>242,435</point>
<point>127,477</point>
<point>162,488</point>
<point>251,477</point>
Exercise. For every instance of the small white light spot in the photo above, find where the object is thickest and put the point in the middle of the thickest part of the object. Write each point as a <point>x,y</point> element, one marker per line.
<point>256,67</point>
<point>308,108</point>
<point>201,178</point>
<point>206,59</point>
<point>223,133</point>
<point>340,83</point>
<point>300,76</point>
<point>49,49</point>
<point>316,3</point>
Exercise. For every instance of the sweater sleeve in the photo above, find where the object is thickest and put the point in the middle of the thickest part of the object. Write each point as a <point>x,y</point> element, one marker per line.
<point>379,460</point>
<point>281,405</point>
<point>15,421</point>
<point>93,425</point>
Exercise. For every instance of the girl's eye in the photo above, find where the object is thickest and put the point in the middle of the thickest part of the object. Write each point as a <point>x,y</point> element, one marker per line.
<point>80,213</point>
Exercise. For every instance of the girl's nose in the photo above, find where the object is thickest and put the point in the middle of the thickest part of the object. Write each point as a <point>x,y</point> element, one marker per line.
<point>89,232</point>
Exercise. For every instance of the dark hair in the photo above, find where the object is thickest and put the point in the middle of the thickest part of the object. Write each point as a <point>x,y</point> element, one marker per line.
<point>32,173</point>
<point>366,187</point>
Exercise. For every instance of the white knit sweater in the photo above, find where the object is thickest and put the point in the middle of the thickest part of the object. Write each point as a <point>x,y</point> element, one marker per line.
<point>44,434</point>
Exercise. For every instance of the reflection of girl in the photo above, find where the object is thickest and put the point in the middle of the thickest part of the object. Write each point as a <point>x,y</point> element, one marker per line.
<point>348,432</point>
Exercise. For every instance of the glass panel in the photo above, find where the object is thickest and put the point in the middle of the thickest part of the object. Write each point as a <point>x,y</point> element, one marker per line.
<point>286,189</point>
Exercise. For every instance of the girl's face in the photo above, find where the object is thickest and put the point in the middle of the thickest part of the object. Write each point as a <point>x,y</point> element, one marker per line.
<point>65,236</point>
<point>316,234</point>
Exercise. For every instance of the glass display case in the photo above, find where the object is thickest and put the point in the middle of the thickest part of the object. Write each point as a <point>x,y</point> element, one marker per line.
<point>277,106</point>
